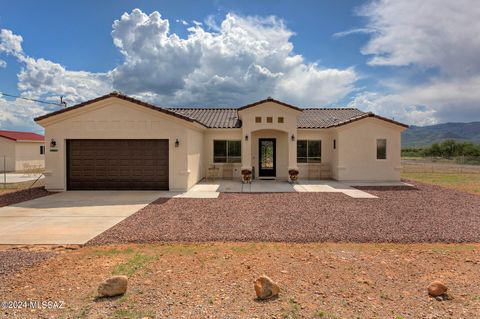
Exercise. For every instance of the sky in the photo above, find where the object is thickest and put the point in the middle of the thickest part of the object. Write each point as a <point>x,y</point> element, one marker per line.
<point>414,61</point>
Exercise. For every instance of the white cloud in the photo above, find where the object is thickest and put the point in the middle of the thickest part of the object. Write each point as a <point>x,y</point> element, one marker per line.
<point>430,33</point>
<point>18,114</point>
<point>43,78</point>
<point>439,40</point>
<point>237,61</point>
<point>241,60</point>
<point>10,43</point>
<point>3,64</point>
<point>181,21</point>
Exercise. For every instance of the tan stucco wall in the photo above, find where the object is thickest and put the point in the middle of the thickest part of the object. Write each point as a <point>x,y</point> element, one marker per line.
<point>7,155</point>
<point>221,134</point>
<point>356,146</point>
<point>118,119</point>
<point>249,126</point>
<point>195,157</point>
<point>28,154</point>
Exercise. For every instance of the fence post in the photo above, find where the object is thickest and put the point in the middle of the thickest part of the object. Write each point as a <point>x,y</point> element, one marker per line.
<point>4,172</point>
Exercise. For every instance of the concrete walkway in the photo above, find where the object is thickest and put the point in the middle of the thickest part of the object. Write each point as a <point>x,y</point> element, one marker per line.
<point>70,217</point>
<point>271,186</point>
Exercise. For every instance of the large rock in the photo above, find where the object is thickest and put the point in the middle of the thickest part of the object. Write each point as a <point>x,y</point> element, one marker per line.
<point>436,289</point>
<point>266,288</point>
<point>113,286</point>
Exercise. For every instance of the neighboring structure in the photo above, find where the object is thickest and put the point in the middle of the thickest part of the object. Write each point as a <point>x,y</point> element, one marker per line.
<point>117,142</point>
<point>21,151</point>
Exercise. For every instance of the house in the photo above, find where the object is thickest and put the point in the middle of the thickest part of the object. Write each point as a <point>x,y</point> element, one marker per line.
<point>118,142</point>
<point>21,151</point>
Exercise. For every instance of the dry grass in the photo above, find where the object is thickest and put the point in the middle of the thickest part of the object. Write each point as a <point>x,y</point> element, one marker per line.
<point>467,182</point>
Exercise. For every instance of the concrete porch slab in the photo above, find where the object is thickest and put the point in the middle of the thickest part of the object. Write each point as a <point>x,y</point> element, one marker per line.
<point>272,186</point>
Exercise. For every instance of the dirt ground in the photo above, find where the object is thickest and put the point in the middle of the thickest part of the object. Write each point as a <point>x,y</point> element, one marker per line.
<point>215,280</point>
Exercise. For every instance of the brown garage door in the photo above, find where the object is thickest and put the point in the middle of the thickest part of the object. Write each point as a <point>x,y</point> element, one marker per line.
<point>117,164</point>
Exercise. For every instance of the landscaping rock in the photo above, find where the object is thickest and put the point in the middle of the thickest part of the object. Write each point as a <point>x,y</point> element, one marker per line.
<point>436,289</point>
<point>113,286</point>
<point>266,288</point>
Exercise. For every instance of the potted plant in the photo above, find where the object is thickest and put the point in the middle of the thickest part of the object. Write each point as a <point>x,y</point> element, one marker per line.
<point>246,175</point>
<point>293,175</point>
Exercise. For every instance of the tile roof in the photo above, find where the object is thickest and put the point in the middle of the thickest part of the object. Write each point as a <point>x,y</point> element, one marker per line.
<point>212,118</point>
<point>327,117</point>
<point>228,117</point>
<point>21,136</point>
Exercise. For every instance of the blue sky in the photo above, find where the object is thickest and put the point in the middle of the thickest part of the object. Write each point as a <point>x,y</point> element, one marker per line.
<point>415,63</point>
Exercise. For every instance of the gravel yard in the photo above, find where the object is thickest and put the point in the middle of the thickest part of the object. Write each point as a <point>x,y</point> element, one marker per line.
<point>425,214</point>
<point>17,196</point>
<point>12,261</point>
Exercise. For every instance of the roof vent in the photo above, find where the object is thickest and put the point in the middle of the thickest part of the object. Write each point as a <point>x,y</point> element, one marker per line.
<point>269,98</point>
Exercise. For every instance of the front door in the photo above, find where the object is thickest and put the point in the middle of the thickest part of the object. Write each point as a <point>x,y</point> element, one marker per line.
<point>266,155</point>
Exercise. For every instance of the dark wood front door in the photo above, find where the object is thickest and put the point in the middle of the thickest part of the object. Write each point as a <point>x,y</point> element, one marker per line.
<point>267,157</point>
<point>117,164</point>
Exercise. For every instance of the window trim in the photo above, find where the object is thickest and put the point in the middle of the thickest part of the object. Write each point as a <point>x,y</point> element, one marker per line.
<point>376,149</point>
<point>308,140</point>
<point>226,150</point>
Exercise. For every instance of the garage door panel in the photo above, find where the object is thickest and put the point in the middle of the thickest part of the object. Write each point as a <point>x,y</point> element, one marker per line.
<point>117,164</point>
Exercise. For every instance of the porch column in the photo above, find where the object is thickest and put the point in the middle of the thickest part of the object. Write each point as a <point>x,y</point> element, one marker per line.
<point>292,151</point>
<point>246,150</point>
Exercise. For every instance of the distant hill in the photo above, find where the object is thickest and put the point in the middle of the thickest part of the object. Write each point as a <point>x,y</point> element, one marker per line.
<point>419,136</point>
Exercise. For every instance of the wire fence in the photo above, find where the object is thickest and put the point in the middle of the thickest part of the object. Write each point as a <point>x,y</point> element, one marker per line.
<point>430,164</point>
<point>19,172</point>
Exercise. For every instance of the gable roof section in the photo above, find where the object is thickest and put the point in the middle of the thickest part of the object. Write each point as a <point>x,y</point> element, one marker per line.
<point>122,97</point>
<point>309,118</point>
<point>21,136</point>
<point>269,100</point>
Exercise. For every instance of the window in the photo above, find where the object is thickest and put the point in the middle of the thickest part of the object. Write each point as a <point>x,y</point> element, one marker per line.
<point>309,151</point>
<point>382,148</point>
<point>280,119</point>
<point>227,152</point>
<point>42,149</point>
<point>334,144</point>
<point>258,119</point>
<point>269,119</point>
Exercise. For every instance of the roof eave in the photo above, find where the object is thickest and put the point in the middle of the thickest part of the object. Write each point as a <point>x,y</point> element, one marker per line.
<point>40,119</point>
<point>270,100</point>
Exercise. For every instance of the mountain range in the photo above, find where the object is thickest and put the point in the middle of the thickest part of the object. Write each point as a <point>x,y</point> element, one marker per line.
<point>420,136</point>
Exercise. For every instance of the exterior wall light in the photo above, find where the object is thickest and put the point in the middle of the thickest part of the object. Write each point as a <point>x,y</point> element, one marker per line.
<point>246,137</point>
<point>53,143</point>
<point>177,143</point>
<point>293,137</point>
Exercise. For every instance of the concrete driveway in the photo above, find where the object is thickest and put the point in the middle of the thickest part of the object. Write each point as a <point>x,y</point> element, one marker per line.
<point>70,217</point>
